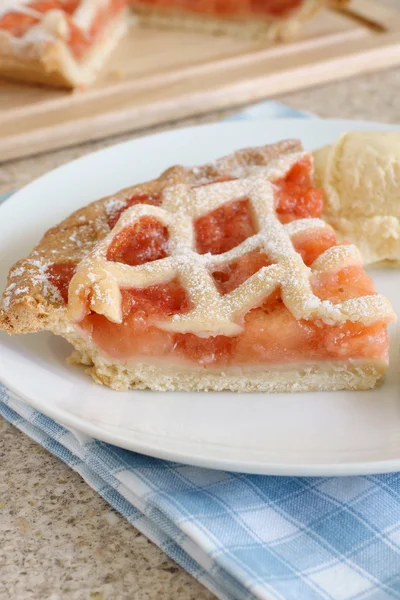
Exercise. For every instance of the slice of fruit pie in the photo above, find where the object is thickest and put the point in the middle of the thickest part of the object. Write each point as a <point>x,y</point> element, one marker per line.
<point>220,277</point>
<point>58,42</point>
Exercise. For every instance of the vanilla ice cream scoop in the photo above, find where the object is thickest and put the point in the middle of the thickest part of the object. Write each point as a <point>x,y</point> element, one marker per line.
<point>360,175</point>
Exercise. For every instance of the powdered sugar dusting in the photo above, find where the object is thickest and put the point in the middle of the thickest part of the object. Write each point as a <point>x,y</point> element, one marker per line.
<point>50,25</point>
<point>7,296</point>
<point>17,272</point>
<point>113,205</point>
<point>40,278</point>
<point>337,257</point>
<point>306,225</point>
<point>20,291</point>
<point>19,6</point>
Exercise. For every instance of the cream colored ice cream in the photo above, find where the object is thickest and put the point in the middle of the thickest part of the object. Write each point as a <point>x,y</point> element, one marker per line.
<point>360,175</point>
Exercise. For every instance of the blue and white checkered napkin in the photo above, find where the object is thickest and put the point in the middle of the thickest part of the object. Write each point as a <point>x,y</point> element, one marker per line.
<point>244,536</point>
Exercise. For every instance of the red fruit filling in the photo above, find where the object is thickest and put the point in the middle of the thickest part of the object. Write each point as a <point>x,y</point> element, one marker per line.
<point>137,199</point>
<point>312,246</point>
<point>224,228</point>
<point>137,335</point>
<point>230,276</point>
<point>18,23</point>
<point>295,195</point>
<point>271,334</point>
<point>350,282</point>
<point>227,226</point>
<point>144,241</point>
<point>59,275</point>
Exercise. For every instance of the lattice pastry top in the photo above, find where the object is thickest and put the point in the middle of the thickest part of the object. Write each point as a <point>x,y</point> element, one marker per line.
<point>211,313</point>
<point>52,23</point>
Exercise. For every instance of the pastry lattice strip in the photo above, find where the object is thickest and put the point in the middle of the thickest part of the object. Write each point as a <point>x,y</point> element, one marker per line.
<point>52,23</point>
<point>213,313</point>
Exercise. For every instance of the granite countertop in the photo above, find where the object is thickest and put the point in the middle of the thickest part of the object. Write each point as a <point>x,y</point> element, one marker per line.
<point>58,539</point>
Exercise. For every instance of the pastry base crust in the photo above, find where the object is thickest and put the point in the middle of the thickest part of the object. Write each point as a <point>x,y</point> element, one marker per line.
<point>306,377</point>
<point>31,70</point>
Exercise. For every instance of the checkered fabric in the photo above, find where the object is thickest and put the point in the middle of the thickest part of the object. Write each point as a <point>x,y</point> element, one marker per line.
<point>244,536</point>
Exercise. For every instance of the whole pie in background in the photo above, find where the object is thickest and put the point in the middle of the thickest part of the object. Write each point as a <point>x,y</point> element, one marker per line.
<point>219,277</point>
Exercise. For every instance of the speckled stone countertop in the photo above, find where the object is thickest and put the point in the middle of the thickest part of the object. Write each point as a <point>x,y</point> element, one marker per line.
<point>58,539</point>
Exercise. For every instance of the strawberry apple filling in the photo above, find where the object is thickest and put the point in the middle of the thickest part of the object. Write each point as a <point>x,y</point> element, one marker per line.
<point>78,39</point>
<point>270,333</point>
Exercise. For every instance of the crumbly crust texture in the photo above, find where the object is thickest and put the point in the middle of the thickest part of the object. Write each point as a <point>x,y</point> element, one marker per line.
<point>30,303</point>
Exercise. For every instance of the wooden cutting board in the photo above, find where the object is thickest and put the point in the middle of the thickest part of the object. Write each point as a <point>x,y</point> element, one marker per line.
<point>157,76</point>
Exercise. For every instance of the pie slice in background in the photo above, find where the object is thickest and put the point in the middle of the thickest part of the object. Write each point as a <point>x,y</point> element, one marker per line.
<point>62,43</point>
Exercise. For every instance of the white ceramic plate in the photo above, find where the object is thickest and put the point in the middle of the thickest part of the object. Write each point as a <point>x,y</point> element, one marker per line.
<point>288,434</point>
